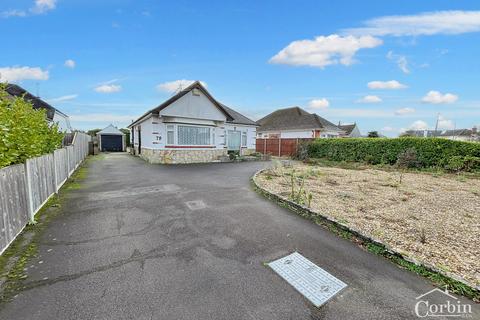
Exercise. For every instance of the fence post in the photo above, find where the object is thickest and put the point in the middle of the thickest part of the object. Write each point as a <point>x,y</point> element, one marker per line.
<point>279,146</point>
<point>28,180</point>
<point>265,146</point>
<point>55,173</point>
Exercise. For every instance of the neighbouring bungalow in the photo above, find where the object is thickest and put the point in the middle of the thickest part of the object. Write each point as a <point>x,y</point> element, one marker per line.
<point>350,130</point>
<point>461,134</point>
<point>53,114</point>
<point>191,127</point>
<point>296,123</point>
<point>422,133</point>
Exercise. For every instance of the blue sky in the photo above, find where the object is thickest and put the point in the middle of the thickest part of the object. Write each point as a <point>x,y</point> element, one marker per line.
<point>387,67</point>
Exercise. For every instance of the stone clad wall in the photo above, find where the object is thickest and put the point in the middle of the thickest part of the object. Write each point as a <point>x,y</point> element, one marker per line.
<point>246,152</point>
<point>181,156</point>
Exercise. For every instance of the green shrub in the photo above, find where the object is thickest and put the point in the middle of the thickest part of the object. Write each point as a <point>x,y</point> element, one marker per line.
<point>24,131</point>
<point>467,163</point>
<point>430,152</point>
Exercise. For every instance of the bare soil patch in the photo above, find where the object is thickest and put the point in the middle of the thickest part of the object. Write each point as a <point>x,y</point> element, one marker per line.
<point>434,219</point>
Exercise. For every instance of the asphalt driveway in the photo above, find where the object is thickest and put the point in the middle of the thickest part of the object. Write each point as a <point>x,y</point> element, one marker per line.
<point>142,241</point>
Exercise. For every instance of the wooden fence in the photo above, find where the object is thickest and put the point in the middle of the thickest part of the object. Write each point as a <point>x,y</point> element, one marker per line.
<point>25,188</point>
<point>279,147</point>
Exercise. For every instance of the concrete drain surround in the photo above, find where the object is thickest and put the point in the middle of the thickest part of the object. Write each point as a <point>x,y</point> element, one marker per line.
<point>316,284</point>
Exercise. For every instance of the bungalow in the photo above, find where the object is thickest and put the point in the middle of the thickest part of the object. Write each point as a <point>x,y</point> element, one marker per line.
<point>350,130</point>
<point>191,127</point>
<point>53,114</point>
<point>461,134</point>
<point>296,123</point>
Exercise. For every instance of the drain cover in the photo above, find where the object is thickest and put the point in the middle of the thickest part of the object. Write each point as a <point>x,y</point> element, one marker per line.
<point>195,205</point>
<point>316,284</point>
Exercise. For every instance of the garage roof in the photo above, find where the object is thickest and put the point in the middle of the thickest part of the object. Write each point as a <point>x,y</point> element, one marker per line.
<point>111,130</point>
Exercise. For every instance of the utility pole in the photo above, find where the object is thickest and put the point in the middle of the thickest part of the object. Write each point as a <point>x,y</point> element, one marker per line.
<point>436,123</point>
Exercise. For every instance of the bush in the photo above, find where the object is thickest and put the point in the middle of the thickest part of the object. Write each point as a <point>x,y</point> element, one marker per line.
<point>408,159</point>
<point>430,152</point>
<point>459,163</point>
<point>24,131</point>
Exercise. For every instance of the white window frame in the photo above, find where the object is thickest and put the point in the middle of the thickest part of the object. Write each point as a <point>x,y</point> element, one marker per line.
<point>170,128</point>
<point>243,143</point>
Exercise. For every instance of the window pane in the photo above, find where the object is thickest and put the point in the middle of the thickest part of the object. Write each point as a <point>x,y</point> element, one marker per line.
<point>244,139</point>
<point>170,134</point>
<point>193,136</point>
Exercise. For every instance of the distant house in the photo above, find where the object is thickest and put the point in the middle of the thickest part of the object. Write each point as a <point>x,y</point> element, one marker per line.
<point>350,130</point>
<point>422,133</point>
<point>111,139</point>
<point>461,134</point>
<point>296,123</point>
<point>53,114</point>
<point>191,126</point>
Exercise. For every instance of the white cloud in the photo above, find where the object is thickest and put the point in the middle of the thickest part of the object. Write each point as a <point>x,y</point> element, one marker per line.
<point>387,85</point>
<point>39,7</point>
<point>108,88</point>
<point>369,99</point>
<point>16,74</point>
<point>319,103</point>
<point>174,86</point>
<point>400,60</point>
<point>404,111</point>
<point>102,117</point>
<point>419,125</point>
<point>70,63</point>
<point>445,124</point>
<point>13,13</point>
<point>324,50</point>
<point>436,97</point>
<point>428,23</point>
<point>42,6</point>
<point>353,113</point>
<point>388,129</point>
<point>63,98</point>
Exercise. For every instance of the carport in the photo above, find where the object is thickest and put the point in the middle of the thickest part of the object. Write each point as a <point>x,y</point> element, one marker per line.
<point>111,139</point>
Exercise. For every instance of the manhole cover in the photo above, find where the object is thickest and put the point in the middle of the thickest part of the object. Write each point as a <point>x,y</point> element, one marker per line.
<point>316,284</point>
<point>195,205</point>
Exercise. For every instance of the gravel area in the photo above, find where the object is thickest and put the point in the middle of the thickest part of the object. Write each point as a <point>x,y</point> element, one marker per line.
<point>434,219</point>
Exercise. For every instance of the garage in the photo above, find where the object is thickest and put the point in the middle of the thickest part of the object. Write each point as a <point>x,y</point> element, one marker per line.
<point>111,139</point>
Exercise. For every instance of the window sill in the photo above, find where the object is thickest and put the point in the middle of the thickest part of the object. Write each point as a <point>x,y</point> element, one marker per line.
<point>180,147</point>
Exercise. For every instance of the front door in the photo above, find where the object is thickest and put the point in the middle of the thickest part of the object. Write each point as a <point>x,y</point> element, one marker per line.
<point>234,139</point>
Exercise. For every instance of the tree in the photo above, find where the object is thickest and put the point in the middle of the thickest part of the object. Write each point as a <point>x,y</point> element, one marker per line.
<point>24,132</point>
<point>93,132</point>
<point>373,134</point>
<point>127,135</point>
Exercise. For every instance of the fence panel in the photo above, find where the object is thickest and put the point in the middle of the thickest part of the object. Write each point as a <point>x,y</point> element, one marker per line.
<point>13,203</point>
<point>71,159</point>
<point>41,180</point>
<point>279,147</point>
<point>26,187</point>
<point>61,166</point>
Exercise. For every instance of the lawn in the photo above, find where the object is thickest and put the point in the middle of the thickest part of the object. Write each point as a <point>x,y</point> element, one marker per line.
<point>432,218</point>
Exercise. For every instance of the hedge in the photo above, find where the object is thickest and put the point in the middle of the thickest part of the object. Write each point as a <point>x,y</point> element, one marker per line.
<point>24,131</point>
<point>431,152</point>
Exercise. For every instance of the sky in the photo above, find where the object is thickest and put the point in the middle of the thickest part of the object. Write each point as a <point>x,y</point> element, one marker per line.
<point>387,66</point>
